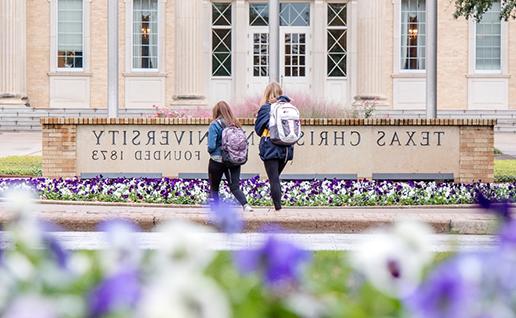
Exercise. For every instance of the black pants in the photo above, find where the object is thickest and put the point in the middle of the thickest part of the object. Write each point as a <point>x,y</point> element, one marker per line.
<point>215,172</point>
<point>274,168</point>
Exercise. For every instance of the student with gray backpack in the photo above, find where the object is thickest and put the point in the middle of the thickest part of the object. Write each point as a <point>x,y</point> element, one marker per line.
<point>279,126</point>
<point>227,146</point>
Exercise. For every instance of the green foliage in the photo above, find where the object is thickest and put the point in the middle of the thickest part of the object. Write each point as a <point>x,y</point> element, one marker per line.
<point>476,8</point>
<point>505,170</point>
<point>20,166</point>
<point>329,276</point>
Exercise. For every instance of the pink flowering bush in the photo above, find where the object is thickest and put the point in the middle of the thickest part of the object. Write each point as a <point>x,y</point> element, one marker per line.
<point>309,106</point>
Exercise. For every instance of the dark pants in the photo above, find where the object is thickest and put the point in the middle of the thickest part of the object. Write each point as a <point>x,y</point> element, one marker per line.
<point>274,168</point>
<point>215,172</point>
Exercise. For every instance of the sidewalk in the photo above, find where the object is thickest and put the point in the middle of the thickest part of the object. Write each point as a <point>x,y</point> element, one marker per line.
<point>452,220</point>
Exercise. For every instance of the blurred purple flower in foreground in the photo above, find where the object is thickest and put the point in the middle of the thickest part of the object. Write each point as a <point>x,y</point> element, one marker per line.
<point>446,293</point>
<point>225,217</point>
<point>278,260</point>
<point>120,291</point>
<point>501,209</point>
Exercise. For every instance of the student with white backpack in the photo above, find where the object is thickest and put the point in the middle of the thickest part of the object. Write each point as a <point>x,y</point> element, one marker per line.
<point>279,126</point>
<point>227,146</point>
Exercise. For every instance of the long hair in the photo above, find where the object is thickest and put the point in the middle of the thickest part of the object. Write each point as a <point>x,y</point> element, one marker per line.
<point>222,109</point>
<point>271,93</point>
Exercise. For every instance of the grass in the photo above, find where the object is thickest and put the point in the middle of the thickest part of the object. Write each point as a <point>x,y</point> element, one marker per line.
<point>17,166</point>
<point>505,170</point>
<point>30,166</point>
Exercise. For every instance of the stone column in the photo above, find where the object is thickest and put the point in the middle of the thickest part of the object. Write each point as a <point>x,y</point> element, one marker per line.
<point>191,70</point>
<point>13,52</point>
<point>319,50</point>
<point>240,49</point>
<point>371,48</point>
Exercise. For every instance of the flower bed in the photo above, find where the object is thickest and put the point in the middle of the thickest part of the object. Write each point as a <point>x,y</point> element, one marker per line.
<point>295,193</point>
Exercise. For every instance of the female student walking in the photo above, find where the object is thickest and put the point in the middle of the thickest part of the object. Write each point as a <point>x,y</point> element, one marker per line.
<point>223,117</point>
<point>274,156</point>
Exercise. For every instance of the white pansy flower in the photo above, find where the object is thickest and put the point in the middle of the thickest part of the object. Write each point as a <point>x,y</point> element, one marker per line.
<point>185,295</point>
<point>393,259</point>
<point>30,306</point>
<point>183,246</point>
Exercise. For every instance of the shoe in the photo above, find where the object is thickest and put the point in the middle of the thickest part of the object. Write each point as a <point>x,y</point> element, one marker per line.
<point>248,208</point>
<point>279,210</point>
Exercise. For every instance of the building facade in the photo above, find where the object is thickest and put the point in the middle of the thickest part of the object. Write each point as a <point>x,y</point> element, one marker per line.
<point>182,53</point>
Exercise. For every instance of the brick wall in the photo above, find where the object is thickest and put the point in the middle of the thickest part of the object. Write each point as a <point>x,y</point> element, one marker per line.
<point>476,154</point>
<point>59,150</point>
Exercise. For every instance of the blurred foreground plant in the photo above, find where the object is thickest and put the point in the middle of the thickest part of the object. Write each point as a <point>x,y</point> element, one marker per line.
<point>392,274</point>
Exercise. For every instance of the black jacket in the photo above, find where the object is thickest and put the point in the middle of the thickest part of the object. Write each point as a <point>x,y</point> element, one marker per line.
<point>268,150</point>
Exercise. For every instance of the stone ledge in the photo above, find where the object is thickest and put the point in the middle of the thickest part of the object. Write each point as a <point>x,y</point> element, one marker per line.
<point>250,121</point>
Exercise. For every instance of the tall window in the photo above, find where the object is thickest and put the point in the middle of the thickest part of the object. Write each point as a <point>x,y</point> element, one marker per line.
<point>413,38</point>
<point>259,17</point>
<point>221,39</point>
<point>145,34</point>
<point>70,34</point>
<point>488,40</point>
<point>336,38</point>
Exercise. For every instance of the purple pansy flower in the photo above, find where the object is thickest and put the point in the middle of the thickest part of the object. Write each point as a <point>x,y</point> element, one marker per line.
<point>120,291</point>
<point>278,260</point>
<point>225,217</point>
<point>445,294</point>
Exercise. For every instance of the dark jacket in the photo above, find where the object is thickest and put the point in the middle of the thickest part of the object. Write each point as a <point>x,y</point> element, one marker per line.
<point>268,150</point>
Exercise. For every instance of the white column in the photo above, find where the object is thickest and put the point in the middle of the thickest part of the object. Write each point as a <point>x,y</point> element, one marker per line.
<point>319,50</point>
<point>240,49</point>
<point>13,88</point>
<point>371,47</point>
<point>113,59</point>
<point>274,45</point>
<point>431,59</point>
<point>191,71</point>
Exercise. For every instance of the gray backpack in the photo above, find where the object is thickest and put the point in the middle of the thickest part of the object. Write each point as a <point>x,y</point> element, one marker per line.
<point>234,145</point>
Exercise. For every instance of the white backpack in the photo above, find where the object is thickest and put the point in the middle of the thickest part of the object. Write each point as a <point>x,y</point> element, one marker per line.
<point>284,124</point>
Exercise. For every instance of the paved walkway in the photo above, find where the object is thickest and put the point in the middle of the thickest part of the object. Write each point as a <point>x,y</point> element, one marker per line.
<point>313,242</point>
<point>85,217</point>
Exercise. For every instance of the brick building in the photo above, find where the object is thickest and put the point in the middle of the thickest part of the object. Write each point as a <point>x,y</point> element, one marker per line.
<point>53,53</point>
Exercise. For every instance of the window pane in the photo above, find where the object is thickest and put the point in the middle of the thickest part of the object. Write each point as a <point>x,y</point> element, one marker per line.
<point>336,37</point>
<point>260,54</point>
<point>413,31</point>
<point>221,40</point>
<point>258,14</point>
<point>221,13</point>
<point>145,34</point>
<point>69,33</point>
<point>488,40</point>
<point>294,14</point>
<point>336,14</point>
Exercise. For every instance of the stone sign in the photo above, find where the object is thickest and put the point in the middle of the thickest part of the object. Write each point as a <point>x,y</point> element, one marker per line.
<point>329,150</point>
<point>367,149</point>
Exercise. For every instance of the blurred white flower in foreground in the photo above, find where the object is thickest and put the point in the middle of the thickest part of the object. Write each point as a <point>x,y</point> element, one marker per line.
<point>393,258</point>
<point>122,250</point>
<point>182,247</point>
<point>185,295</point>
<point>20,203</point>
<point>31,306</point>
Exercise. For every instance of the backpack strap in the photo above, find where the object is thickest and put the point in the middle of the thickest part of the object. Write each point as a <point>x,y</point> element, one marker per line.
<point>222,124</point>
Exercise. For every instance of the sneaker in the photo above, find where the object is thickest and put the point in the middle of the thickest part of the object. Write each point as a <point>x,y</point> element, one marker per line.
<point>248,208</point>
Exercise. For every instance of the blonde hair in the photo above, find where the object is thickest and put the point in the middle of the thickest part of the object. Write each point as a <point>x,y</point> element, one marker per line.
<point>271,93</point>
<point>222,109</point>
